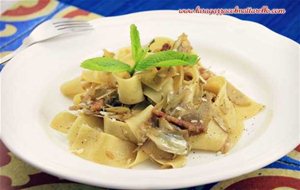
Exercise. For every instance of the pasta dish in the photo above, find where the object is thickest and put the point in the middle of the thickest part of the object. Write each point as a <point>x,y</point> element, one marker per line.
<point>155,101</point>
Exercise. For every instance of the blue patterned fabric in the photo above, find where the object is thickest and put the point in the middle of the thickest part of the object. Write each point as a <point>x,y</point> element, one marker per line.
<point>287,24</point>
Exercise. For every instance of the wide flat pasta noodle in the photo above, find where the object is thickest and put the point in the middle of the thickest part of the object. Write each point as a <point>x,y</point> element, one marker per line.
<point>124,55</point>
<point>150,79</point>
<point>63,121</point>
<point>214,84</point>
<point>246,112</point>
<point>103,148</point>
<point>119,129</point>
<point>177,162</point>
<point>224,112</point>
<point>165,159</point>
<point>72,87</point>
<point>91,121</point>
<point>245,106</point>
<point>112,151</point>
<point>73,131</point>
<point>230,118</point>
<point>212,140</point>
<point>236,96</point>
<point>130,90</point>
<point>141,156</point>
<point>98,77</point>
<point>152,94</point>
<point>234,135</point>
<point>86,137</point>
<point>137,123</point>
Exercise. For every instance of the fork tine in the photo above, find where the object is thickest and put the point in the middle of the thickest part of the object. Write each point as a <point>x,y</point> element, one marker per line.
<point>74,27</point>
<point>71,24</point>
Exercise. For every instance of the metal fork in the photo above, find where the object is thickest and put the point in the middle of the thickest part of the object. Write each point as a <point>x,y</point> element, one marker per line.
<point>49,30</point>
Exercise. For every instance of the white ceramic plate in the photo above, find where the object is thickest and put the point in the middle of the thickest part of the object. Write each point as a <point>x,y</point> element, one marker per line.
<point>260,62</point>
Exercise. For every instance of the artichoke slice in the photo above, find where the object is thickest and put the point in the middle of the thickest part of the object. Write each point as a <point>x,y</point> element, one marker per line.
<point>169,139</point>
<point>169,142</point>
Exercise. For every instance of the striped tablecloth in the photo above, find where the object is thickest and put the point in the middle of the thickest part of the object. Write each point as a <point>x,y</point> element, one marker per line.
<point>17,22</point>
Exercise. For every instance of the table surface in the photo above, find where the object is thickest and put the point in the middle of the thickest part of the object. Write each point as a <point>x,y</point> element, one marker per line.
<point>18,21</point>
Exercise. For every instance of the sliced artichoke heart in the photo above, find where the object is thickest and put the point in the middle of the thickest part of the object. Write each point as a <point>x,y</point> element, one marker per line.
<point>168,141</point>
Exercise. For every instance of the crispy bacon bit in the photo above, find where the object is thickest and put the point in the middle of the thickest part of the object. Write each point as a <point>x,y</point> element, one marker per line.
<point>193,128</point>
<point>166,47</point>
<point>97,105</point>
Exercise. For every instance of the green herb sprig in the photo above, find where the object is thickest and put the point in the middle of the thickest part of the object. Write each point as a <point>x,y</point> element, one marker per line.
<point>105,64</point>
<point>142,62</point>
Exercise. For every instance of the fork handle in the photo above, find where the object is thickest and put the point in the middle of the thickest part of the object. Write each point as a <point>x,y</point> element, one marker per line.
<point>12,54</point>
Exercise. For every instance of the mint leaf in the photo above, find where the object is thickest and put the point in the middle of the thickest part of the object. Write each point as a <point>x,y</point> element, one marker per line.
<point>169,63</point>
<point>138,52</point>
<point>105,64</point>
<point>166,59</point>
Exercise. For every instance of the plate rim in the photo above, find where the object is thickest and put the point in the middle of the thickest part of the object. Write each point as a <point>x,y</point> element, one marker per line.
<point>53,171</point>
